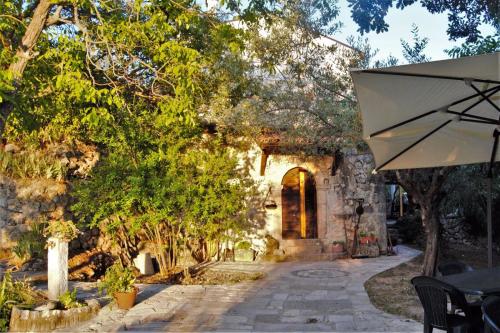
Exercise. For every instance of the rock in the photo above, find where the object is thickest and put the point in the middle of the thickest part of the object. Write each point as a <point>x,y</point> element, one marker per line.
<point>278,252</point>
<point>11,148</point>
<point>51,305</point>
<point>144,264</point>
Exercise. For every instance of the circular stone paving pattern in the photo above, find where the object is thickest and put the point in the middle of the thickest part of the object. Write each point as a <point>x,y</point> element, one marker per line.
<point>325,273</point>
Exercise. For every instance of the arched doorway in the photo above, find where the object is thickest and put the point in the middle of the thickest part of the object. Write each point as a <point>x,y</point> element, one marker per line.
<point>298,201</point>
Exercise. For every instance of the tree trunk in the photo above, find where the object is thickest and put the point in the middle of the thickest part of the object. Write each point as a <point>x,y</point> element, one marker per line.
<point>23,54</point>
<point>430,221</point>
<point>424,185</point>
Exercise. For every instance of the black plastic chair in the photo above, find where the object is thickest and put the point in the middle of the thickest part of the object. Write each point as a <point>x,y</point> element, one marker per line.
<point>491,311</point>
<point>434,295</point>
<point>453,267</point>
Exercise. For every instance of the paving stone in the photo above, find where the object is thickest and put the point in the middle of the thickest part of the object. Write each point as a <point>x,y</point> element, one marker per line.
<point>284,301</point>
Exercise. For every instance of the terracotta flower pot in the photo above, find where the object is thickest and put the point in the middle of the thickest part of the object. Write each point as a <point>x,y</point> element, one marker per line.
<point>368,240</point>
<point>125,301</point>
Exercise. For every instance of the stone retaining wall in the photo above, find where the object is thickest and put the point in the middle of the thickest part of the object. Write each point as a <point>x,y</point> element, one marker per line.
<point>24,202</point>
<point>48,320</point>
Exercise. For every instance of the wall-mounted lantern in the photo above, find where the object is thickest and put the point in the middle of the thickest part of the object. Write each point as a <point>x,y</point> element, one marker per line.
<point>270,204</point>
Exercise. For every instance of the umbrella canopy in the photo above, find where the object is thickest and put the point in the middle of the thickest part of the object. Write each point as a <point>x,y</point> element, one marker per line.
<point>439,113</point>
<point>455,100</point>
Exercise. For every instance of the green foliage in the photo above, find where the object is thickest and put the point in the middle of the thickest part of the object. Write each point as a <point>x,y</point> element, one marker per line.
<point>244,245</point>
<point>68,300</point>
<point>483,45</point>
<point>31,244</point>
<point>64,230</point>
<point>464,18</point>
<point>15,293</point>
<point>466,197</point>
<point>303,95</point>
<point>117,279</point>
<point>410,228</point>
<point>415,53</point>
<point>186,189</point>
<point>32,164</point>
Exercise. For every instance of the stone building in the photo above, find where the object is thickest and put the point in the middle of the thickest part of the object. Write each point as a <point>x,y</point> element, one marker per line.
<point>310,201</point>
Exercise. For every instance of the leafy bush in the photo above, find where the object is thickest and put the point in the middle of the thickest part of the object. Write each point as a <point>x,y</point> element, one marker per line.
<point>117,279</point>
<point>68,300</point>
<point>64,230</point>
<point>410,228</point>
<point>466,197</point>
<point>31,244</point>
<point>15,293</point>
<point>244,245</point>
<point>32,164</point>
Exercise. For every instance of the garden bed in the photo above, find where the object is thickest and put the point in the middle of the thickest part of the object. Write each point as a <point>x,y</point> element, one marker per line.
<point>205,277</point>
<point>44,320</point>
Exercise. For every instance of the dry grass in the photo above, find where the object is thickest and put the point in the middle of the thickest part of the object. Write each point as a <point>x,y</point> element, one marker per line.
<point>392,292</point>
<point>204,277</point>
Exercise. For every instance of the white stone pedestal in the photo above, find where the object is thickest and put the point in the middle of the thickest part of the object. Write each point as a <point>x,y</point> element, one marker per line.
<point>144,264</point>
<point>57,267</point>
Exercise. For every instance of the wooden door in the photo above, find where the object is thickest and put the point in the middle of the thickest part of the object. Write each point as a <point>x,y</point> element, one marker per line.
<point>298,198</point>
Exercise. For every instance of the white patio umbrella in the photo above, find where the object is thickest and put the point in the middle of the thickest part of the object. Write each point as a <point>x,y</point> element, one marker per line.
<point>439,113</point>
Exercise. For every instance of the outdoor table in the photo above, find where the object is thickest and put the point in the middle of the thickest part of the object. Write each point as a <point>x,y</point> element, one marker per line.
<point>480,282</point>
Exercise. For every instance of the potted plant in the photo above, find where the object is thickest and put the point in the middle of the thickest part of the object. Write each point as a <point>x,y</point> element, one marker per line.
<point>367,239</point>
<point>243,251</point>
<point>338,246</point>
<point>119,284</point>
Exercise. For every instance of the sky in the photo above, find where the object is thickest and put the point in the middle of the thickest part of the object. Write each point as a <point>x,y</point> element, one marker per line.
<point>432,26</point>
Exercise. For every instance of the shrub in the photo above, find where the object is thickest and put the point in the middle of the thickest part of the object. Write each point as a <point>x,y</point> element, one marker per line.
<point>68,300</point>
<point>32,164</point>
<point>117,279</point>
<point>410,228</point>
<point>244,245</point>
<point>15,293</point>
<point>64,230</point>
<point>31,244</point>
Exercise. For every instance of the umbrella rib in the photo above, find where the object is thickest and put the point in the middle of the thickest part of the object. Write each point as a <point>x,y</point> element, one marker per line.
<point>493,153</point>
<point>480,121</point>
<point>485,119</point>
<point>430,76</point>
<point>494,89</point>
<point>463,113</point>
<point>486,97</point>
<point>413,144</point>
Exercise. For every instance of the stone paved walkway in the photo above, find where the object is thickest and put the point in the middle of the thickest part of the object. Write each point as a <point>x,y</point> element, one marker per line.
<point>294,296</point>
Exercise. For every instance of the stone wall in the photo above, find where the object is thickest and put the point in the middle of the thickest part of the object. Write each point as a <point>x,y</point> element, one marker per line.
<point>357,182</point>
<point>24,202</point>
<point>27,201</point>
<point>455,231</point>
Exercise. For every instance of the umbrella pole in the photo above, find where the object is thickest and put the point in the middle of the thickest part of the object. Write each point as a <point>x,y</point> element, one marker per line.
<point>489,224</point>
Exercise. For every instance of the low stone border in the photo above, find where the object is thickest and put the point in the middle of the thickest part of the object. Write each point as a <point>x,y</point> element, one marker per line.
<point>48,320</point>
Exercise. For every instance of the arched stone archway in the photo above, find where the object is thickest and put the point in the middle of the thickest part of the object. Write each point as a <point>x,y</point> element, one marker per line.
<point>298,201</point>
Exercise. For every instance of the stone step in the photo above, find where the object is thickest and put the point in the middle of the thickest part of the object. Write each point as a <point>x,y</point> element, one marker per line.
<point>302,247</point>
<point>316,257</point>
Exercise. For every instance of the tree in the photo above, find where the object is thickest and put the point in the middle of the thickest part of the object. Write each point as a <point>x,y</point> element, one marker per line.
<point>482,45</point>
<point>425,186</point>
<point>304,95</point>
<point>464,17</point>
<point>106,50</point>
